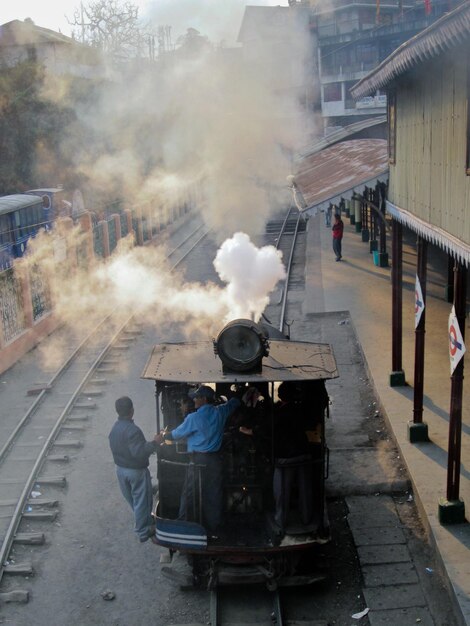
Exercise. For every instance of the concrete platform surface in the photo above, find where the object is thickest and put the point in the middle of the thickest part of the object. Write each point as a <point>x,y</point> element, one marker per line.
<point>364,290</point>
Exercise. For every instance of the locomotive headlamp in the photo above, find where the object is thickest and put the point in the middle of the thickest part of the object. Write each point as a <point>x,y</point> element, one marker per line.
<point>241,346</point>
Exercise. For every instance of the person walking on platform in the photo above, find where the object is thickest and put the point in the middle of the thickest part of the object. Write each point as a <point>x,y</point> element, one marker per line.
<point>337,230</point>
<point>328,213</point>
<point>131,454</point>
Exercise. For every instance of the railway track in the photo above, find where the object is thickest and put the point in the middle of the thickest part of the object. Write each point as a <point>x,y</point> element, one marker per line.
<point>244,606</point>
<point>285,233</point>
<point>39,445</point>
<point>47,431</point>
<point>187,245</point>
<point>260,607</point>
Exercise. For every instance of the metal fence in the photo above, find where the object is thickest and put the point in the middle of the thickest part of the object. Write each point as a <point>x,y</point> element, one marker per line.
<point>112,233</point>
<point>98,244</point>
<point>40,293</point>
<point>124,229</point>
<point>11,306</point>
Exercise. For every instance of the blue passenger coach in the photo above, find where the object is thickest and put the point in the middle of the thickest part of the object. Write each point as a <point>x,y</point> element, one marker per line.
<point>53,202</point>
<point>21,216</point>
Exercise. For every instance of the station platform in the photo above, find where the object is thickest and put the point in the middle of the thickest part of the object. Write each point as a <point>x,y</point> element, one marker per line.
<point>356,285</point>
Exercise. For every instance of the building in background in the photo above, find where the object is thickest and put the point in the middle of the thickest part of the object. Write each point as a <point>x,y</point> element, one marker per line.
<point>60,56</point>
<point>321,49</point>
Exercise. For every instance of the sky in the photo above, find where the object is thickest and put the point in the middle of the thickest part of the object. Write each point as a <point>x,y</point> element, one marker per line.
<point>218,19</point>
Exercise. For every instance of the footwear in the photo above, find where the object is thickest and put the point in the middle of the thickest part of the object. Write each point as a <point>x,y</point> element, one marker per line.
<point>338,259</point>
<point>150,535</point>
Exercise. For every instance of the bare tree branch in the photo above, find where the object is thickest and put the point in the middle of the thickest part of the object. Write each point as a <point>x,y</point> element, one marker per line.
<point>111,25</point>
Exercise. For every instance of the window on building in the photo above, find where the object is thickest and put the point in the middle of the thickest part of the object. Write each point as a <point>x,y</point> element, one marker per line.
<point>392,126</point>
<point>367,54</point>
<point>332,92</point>
<point>350,102</point>
<point>343,59</point>
<point>327,61</point>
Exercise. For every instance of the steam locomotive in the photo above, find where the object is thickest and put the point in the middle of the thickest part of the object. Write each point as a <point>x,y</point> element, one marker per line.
<point>251,547</point>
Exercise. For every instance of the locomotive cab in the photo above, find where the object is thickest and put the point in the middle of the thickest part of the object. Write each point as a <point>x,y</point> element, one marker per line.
<point>273,507</point>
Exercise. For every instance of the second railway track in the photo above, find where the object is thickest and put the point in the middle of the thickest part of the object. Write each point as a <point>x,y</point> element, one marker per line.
<point>39,445</point>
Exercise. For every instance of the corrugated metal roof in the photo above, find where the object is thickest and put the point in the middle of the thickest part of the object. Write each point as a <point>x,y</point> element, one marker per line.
<point>18,201</point>
<point>447,32</point>
<point>339,168</point>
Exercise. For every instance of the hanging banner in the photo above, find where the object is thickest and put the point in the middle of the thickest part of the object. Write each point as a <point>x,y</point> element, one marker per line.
<point>456,345</point>
<point>419,302</point>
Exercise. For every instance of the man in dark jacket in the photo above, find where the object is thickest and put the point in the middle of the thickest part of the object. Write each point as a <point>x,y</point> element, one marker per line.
<point>292,459</point>
<point>131,455</point>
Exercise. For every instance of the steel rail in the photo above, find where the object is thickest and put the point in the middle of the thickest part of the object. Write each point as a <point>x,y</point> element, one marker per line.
<point>190,249</point>
<point>43,392</point>
<point>184,241</point>
<point>283,227</point>
<point>32,478</point>
<point>288,270</point>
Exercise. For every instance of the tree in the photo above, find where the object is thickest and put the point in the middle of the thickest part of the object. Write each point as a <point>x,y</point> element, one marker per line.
<point>193,42</point>
<point>111,25</point>
<point>32,129</point>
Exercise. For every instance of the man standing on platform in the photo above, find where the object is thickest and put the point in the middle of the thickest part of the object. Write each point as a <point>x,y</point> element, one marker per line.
<point>337,230</point>
<point>131,455</point>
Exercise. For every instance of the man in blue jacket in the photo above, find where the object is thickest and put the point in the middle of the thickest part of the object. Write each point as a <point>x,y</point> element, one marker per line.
<point>203,429</point>
<point>131,455</point>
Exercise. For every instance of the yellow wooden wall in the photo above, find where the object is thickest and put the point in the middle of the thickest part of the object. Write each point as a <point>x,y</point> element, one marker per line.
<point>429,178</point>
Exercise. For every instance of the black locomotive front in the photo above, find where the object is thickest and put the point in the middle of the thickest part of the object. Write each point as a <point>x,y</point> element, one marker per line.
<point>251,546</point>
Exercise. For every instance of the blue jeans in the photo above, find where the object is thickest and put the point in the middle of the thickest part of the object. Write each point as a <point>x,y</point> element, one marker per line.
<point>136,487</point>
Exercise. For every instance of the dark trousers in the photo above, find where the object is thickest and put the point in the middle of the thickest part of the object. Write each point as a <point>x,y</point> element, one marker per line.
<point>211,490</point>
<point>337,247</point>
<point>286,472</point>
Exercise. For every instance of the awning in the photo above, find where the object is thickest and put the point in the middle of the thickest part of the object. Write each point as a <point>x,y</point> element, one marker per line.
<point>340,168</point>
<point>454,246</point>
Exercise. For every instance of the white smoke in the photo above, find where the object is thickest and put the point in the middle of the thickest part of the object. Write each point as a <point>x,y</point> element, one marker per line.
<point>220,21</point>
<point>139,281</point>
<point>251,274</point>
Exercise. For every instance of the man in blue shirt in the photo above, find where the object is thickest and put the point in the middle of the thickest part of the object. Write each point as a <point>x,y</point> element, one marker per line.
<point>131,455</point>
<point>203,429</point>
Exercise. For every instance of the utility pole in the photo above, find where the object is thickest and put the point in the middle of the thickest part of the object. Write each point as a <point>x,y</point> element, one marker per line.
<point>81,22</point>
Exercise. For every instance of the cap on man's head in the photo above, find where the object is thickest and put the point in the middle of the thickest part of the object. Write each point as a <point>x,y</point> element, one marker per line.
<point>204,391</point>
<point>123,406</point>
